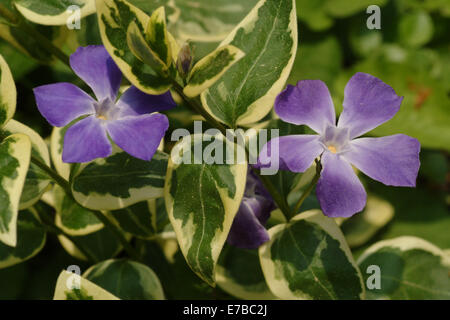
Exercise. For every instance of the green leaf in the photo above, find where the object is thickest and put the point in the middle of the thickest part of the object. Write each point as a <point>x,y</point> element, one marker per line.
<point>308,258</point>
<point>126,279</point>
<point>239,273</point>
<point>8,94</point>
<point>101,245</point>
<point>363,226</point>
<point>206,21</point>
<point>137,219</point>
<point>410,268</point>
<point>268,37</point>
<point>15,153</point>
<point>415,29</point>
<point>19,63</point>
<point>202,200</point>
<point>37,180</point>
<point>22,41</point>
<point>119,181</point>
<point>114,18</point>
<point>209,69</point>
<point>31,239</point>
<point>53,12</point>
<point>66,289</point>
<point>71,217</point>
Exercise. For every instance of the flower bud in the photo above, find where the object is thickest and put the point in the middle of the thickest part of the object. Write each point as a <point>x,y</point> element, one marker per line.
<point>185,59</point>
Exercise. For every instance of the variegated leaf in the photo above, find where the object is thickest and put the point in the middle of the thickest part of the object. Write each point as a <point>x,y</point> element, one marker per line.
<point>15,153</point>
<point>115,17</point>
<point>54,12</point>
<point>268,37</point>
<point>126,279</point>
<point>209,69</point>
<point>362,227</point>
<point>8,94</point>
<point>158,37</point>
<point>101,245</point>
<point>31,239</point>
<point>70,286</point>
<point>56,149</point>
<point>137,219</point>
<point>140,48</point>
<point>37,180</point>
<point>408,268</point>
<point>202,200</point>
<point>119,181</point>
<point>158,209</point>
<point>239,273</point>
<point>308,258</point>
<point>71,217</point>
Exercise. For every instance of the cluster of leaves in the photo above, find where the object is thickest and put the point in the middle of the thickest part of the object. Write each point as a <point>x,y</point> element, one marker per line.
<point>177,217</point>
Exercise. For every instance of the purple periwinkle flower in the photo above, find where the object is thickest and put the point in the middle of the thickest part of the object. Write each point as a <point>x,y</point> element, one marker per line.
<point>368,102</point>
<point>131,121</point>
<point>248,229</point>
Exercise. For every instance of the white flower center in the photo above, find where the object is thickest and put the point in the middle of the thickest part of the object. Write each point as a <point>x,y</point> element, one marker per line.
<point>335,140</point>
<point>106,109</point>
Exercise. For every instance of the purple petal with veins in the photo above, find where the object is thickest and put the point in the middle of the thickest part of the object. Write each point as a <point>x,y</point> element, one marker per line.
<point>61,103</point>
<point>134,102</point>
<point>368,102</point>
<point>392,160</point>
<point>309,103</point>
<point>85,141</point>
<point>94,65</point>
<point>139,136</point>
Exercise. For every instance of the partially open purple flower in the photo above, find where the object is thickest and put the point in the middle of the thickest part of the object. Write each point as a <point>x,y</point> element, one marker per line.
<point>248,229</point>
<point>368,102</point>
<point>130,122</point>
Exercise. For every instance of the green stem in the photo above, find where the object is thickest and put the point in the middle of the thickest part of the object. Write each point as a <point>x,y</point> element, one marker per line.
<point>21,23</point>
<point>309,189</point>
<point>276,196</point>
<point>63,183</point>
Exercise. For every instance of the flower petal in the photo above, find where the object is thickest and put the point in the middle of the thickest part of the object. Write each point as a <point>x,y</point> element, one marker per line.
<point>94,65</point>
<point>247,230</point>
<point>135,102</point>
<point>368,102</point>
<point>85,141</point>
<point>139,136</point>
<point>339,191</point>
<point>61,103</point>
<point>296,152</point>
<point>392,160</point>
<point>308,103</point>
